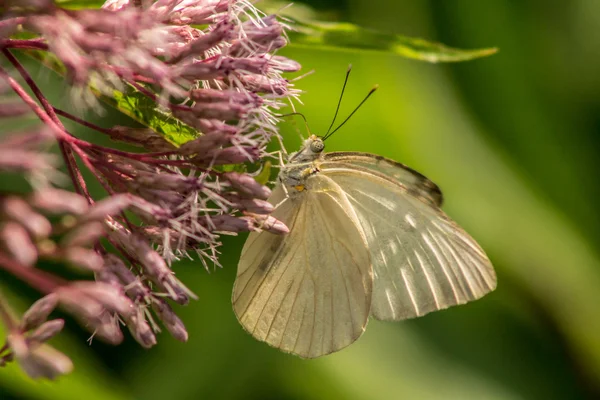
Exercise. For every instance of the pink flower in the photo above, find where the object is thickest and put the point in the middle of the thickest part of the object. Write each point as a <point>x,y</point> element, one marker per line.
<point>163,202</point>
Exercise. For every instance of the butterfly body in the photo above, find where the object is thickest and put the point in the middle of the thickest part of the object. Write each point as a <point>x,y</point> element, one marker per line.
<point>367,238</point>
<point>301,165</point>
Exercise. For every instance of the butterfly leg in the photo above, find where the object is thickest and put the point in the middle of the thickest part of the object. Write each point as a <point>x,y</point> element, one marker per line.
<point>285,190</point>
<point>276,206</point>
<point>283,149</point>
<point>280,156</point>
<point>263,220</point>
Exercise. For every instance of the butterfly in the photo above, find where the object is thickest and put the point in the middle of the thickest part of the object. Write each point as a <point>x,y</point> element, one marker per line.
<point>367,238</point>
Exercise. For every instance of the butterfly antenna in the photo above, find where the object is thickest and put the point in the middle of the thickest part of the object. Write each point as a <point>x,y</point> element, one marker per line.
<point>340,100</point>
<point>352,113</point>
<point>296,113</point>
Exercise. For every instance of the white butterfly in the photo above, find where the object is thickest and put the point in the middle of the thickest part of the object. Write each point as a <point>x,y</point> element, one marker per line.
<point>367,237</point>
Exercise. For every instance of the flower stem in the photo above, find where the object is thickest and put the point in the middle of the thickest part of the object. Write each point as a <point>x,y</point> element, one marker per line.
<point>48,116</point>
<point>152,96</point>
<point>27,44</point>
<point>40,280</point>
<point>35,89</point>
<point>81,121</point>
<point>6,317</point>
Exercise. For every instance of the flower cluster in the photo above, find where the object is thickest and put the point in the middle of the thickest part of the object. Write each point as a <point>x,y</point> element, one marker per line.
<point>209,64</point>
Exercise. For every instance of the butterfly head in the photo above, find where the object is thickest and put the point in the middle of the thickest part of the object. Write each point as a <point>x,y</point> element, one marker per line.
<point>311,150</point>
<point>315,144</point>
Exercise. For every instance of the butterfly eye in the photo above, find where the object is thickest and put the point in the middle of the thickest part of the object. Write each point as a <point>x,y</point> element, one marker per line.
<point>317,146</point>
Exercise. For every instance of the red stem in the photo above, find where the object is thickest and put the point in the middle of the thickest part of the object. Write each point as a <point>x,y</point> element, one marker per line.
<point>37,279</point>
<point>107,132</point>
<point>144,157</point>
<point>151,95</point>
<point>74,172</point>
<point>36,90</point>
<point>49,117</point>
<point>58,131</point>
<point>29,44</point>
<point>124,73</point>
<point>81,121</point>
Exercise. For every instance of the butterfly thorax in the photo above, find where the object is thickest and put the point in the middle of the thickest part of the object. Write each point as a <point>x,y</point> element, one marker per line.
<point>301,165</point>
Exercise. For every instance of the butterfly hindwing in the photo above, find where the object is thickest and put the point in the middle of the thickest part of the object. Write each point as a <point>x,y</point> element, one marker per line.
<point>422,260</point>
<point>308,292</point>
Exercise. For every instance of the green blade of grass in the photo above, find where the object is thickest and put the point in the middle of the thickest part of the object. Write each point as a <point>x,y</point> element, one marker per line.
<point>348,37</point>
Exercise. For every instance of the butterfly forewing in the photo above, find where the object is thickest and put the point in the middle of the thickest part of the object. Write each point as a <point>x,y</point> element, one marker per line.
<point>422,261</point>
<point>413,182</point>
<point>308,292</point>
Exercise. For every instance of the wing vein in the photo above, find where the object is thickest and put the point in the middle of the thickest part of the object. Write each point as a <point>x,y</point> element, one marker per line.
<point>441,262</point>
<point>287,265</point>
<point>274,257</point>
<point>292,310</point>
<point>340,269</point>
<point>410,294</point>
<point>428,278</point>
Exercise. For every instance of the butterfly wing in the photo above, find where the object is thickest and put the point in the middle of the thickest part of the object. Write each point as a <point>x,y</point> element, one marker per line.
<point>422,260</point>
<point>308,292</point>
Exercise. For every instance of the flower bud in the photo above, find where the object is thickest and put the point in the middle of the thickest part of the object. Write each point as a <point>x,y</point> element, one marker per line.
<point>141,331</point>
<point>83,235</point>
<point>108,329</point>
<point>59,201</point>
<point>144,137</point>
<point>229,155</point>
<point>247,185</point>
<point>19,211</point>
<point>38,312</point>
<point>42,361</point>
<point>24,160</point>
<point>201,44</point>
<point>47,330</point>
<point>109,296</point>
<point>15,240</point>
<point>270,224</point>
<point>223,111</point>
<point>83,258</point>
<point>255,206</point>
<point>155,267</point>
<point>170,320</point>
<point>109,206</point>
<point>231,224</point>
<point>132,283</point>
<point>205,143</point>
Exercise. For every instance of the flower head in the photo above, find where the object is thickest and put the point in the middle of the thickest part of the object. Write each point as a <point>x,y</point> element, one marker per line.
<point>209,64</point>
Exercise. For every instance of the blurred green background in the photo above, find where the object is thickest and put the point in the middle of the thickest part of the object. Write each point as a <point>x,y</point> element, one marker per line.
<point>512,140</point>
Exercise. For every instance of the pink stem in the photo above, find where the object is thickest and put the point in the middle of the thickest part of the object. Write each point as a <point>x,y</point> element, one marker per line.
<point>30,44</point>
<point>47,116</point>
<point>81,121</point>
<point>39,280</point>
<point>151,95</point>
<point>74,172</point>
<point>36,90</point>
<point>144,157</point>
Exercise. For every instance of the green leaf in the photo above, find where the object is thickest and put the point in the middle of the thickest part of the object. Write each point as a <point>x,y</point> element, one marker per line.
<point>241,168</point>
<point>309,31</point>
<point>345,36</point>
<point>132,103</point>
<point>47,59</point>
<point>265,174</point>
<point>80,4</point>
<point>144,110</point>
